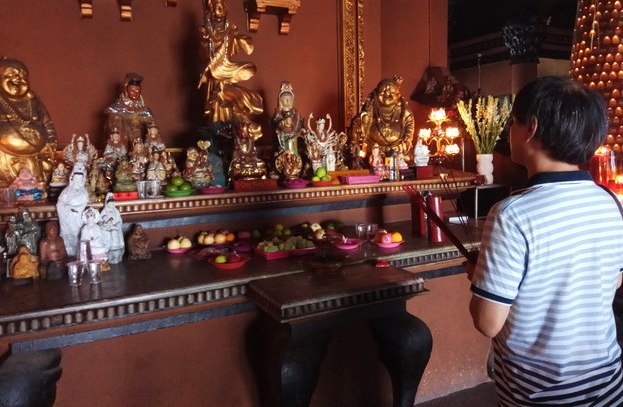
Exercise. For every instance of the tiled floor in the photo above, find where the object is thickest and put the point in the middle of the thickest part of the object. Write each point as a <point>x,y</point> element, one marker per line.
<point>482,395</point>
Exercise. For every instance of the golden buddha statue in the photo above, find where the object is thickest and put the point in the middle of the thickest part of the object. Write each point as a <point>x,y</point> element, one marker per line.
<point>27,135</point>
<point>385,119</point>
<point>245,163</point>
<point>225,99</point>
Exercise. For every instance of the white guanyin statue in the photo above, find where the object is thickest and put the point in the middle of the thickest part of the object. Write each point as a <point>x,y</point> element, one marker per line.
<point>71,203</point>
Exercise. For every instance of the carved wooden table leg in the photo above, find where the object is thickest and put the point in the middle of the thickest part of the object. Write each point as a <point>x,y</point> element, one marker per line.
<point>300,367</point>
<point>404,344</point>
<point>29,379</point>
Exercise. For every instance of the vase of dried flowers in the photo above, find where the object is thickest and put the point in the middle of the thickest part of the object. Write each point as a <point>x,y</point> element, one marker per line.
<point>484,119</point>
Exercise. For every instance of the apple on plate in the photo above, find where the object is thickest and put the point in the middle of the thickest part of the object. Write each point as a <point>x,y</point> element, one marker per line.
<point>221,258</point>
<point>244,235</point>
<point>386,238</point>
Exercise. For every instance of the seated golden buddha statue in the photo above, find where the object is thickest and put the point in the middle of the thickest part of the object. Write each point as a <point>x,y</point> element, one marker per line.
<point>27,135</point>
<point>245,163</point>
<point>385,119</point>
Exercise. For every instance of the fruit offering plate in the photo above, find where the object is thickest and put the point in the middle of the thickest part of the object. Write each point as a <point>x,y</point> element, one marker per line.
<point>295,183</point>
<point>388,245</point>
<point>229,265</point>
<point>279,254</point>
<point>177,194</point>
<point>322,183</point>
<point>179,251</point>
<point>348,244</point>
<point>212,190</point>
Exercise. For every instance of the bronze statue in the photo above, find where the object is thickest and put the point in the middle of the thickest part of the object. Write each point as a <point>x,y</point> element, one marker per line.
<point>129,114</point>
<point>27,134</point>
<point>138,244</point>
<point>385,119</point>
<point>52,253</point>
<point>225,99</point>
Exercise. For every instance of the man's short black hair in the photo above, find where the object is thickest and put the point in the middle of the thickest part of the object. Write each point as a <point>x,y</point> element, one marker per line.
<point>572,120</point>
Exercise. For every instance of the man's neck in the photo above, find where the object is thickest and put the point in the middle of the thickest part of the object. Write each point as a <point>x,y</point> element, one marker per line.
<point>548,165</point>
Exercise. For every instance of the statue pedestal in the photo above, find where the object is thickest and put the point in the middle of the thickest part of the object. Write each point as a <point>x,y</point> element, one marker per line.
<point>259,184</point>
<point>423,172</point>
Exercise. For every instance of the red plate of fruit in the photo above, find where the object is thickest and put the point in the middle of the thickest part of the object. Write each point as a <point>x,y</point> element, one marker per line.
<point>228,261</point>
<point>387,240</point>
<point>389,245</point>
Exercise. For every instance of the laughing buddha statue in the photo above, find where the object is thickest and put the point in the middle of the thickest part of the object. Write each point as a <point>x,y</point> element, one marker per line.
<point>385,119</point>
<point>27,135</point>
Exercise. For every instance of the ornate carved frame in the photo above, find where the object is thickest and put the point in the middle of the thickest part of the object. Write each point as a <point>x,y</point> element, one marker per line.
<point>351,22</point>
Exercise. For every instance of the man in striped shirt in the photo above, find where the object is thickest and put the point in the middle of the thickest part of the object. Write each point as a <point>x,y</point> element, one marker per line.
<point>551,258</point>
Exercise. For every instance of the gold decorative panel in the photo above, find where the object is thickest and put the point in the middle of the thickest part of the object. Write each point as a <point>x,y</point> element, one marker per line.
<point>351,58</point>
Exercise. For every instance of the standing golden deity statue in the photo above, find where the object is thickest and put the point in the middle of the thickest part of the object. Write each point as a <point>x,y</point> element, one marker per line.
<point>225,99</point>
<point>27,135</point>
<point>385,119</point>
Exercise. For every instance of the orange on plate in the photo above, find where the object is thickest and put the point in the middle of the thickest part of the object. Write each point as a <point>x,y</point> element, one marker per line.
<point>230,237</point>
<point>396,237</point>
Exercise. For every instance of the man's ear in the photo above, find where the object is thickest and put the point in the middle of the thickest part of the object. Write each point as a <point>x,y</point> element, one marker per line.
<point>532,126</point>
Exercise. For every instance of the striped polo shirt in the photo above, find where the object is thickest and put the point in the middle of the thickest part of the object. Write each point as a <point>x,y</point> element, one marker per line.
<point>552,253</point>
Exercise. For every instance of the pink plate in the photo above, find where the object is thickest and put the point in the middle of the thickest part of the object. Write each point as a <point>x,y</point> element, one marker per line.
<point>179,251</point>
<point>388,245</point>
<point>212,190</point>
<point>296,183</point>
<point>229,266</point>
<point>349,244</point>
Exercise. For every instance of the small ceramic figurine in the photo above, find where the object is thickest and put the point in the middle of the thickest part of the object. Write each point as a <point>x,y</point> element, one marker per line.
<point>11,236</point>
<point>376,160</point>
<point>323,144</point>
<point>115,148</point>
<point>129,114</point>
<point>170,166</point>
<point>24,265</point>
<point>153,140</point>
<point>421,154</point>
<point>124,180</point>
<point>111,223</point>
<point>80,150</point>
<point>60,176</point>
<point>27,187</point>
<point>197,169</point>
<point>138,244</point>
<point>245,163</point>
<point>139,159</point>
<point>70,205</point>
<point>22,230</point>
<point>27,134</point>
<point>155,168</point>
<point>93,245</point>
<point>52,253</point>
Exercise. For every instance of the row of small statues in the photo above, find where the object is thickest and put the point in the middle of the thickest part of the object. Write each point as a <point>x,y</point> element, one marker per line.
<point>135,149</point>
<point>81,232</point>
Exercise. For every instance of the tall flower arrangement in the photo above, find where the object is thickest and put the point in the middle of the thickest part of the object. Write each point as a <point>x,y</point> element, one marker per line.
<point>486,123</point>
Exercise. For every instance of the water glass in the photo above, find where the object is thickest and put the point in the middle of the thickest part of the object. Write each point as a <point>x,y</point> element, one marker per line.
<point>141,188</point>
<point>74,272</point>
<point>95,272</point>
<point>361,229</point>
<point>371,230</point>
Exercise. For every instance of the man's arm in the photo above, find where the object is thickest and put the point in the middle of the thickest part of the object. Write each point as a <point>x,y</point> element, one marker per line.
<point>488,317</point>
